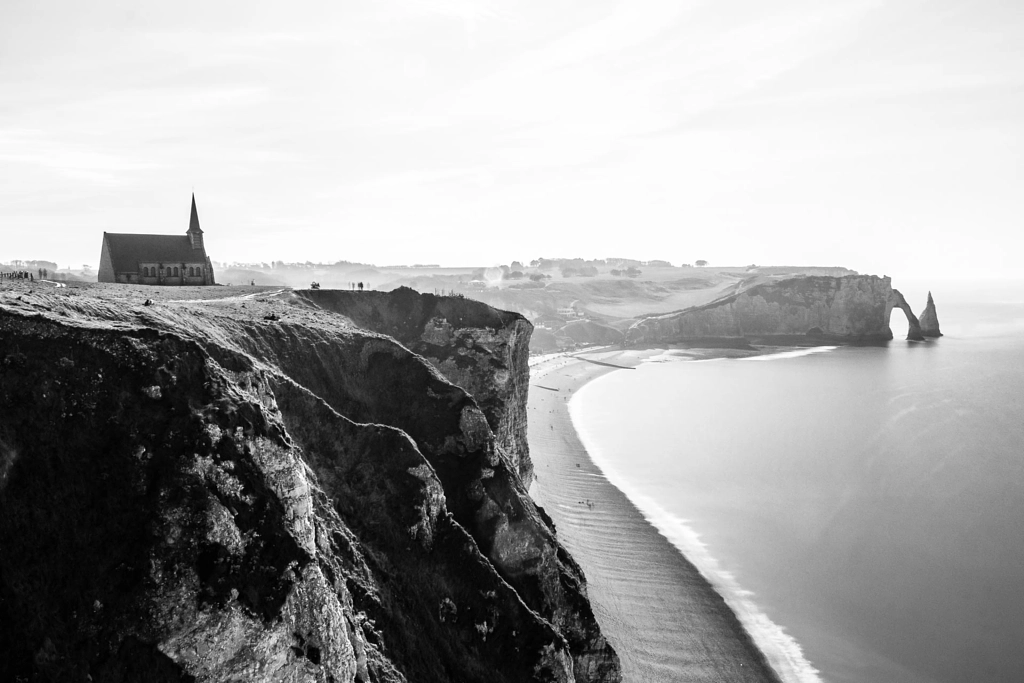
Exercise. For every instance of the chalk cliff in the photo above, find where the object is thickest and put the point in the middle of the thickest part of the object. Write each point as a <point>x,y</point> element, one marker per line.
<point>589,332</point>
<point>930,319</point>
<point>481,349</point>
<point>260,490</point>
<point>851,308</point>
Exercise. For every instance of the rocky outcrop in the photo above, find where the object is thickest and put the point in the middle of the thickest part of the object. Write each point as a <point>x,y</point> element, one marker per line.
<point>253,490</point>
<point>844,309</point>
<point>481,349</point>
<point>930,319</point>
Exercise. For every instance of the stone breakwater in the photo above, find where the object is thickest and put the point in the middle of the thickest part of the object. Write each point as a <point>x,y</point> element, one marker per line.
<point>259,489</point>
<point>855,308</point>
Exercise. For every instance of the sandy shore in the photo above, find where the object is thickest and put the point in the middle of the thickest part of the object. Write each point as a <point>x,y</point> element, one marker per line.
<point>661,615</point>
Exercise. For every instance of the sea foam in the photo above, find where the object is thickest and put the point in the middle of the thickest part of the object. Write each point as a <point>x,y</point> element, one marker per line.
<point>795,353</point>
<point>782,651</point>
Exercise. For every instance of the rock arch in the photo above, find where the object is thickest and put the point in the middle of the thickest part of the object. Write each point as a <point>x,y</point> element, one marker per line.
<point>896,300</point>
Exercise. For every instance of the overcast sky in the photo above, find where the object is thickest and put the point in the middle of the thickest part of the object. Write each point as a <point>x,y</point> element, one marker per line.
<point>885,136</point>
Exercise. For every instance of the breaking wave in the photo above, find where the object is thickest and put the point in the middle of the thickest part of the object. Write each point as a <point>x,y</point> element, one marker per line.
<point>796,353</point>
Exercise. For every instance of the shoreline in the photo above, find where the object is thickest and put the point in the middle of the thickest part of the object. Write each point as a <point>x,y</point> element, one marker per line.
<point>662,615</point>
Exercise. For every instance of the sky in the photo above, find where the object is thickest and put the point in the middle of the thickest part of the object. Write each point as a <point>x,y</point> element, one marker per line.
<point>884,136</point>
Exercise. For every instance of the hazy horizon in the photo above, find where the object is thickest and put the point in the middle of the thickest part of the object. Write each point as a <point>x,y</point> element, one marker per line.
<point>881,137</point>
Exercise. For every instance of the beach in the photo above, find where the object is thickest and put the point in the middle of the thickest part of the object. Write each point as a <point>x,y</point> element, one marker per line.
<point>662,616</point>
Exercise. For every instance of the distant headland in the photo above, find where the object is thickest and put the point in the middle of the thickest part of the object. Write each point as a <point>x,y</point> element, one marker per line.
<point>854,308</point>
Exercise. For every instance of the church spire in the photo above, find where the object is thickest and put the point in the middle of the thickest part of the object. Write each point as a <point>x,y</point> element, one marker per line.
<point>195,233</point>
<point>193,222</point>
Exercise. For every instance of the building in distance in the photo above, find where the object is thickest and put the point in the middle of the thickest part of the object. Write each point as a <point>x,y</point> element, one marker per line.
<point>572,311</point>
<point>157,259</point>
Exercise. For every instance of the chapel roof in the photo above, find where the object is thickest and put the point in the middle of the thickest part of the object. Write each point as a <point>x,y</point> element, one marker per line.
<point>128,250</point>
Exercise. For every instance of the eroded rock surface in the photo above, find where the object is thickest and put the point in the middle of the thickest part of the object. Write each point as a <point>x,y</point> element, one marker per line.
<point>851,308</point>
<point>479,348</point>
<point>206,491</point>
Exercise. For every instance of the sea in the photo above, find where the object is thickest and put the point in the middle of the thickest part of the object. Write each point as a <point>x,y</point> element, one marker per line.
<point>861,508</point>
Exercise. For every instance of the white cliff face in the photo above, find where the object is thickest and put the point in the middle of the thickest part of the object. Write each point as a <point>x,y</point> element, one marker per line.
<point>850,308</point>
<point>478,348</point>
<point>493,366</point>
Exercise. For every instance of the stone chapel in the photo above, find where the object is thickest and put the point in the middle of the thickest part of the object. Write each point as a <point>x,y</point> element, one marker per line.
<point>157,259</point>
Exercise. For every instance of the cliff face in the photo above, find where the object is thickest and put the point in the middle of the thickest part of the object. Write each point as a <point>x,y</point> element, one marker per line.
<point>588,332</point>
<point>930,319</point>
<point>481,349</point>
<point>199,491</point>
<point>851,308</point>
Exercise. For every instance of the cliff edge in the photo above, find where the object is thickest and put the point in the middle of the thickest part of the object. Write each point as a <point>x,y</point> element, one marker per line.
<point>481,349</point>
<point>254,488</point>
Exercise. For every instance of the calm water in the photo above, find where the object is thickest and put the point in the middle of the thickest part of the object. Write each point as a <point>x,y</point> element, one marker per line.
<point>869,502</point>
